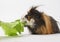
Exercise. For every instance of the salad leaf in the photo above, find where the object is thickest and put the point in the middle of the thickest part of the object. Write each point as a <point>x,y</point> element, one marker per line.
<point>12,28</point>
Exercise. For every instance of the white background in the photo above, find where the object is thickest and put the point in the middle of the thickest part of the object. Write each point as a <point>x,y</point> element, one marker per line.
<point>11,10</point>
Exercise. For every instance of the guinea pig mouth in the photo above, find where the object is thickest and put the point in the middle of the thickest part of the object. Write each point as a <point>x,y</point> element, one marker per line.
<point>29,23</point>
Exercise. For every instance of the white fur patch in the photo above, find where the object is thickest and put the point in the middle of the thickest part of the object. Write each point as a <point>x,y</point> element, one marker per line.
<point>31,22</point>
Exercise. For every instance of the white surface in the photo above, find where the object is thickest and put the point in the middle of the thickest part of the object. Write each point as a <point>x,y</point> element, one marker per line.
<point>33,38</point>
<point>11,10</point>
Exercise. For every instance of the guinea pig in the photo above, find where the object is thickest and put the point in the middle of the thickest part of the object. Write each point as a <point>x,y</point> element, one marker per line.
<point>40,23</point>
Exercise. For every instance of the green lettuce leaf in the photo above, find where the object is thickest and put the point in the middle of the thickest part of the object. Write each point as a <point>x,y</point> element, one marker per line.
<point>11,28</point>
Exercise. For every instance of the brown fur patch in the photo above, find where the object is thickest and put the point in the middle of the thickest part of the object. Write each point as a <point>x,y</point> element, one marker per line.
<point>29,18</point>
<point>41,30</point>
<point>47,29</point>
<point>48,24</point>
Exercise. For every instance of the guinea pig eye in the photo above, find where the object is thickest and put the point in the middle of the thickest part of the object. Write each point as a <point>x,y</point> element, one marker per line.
<point>28,17</point>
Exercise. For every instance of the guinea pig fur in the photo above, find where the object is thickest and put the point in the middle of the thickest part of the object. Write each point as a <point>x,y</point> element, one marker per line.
<point>40,23</point>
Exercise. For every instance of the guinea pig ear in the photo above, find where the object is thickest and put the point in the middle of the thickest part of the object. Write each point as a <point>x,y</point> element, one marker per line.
<point>33,8</point>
